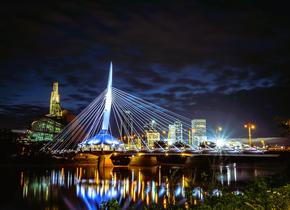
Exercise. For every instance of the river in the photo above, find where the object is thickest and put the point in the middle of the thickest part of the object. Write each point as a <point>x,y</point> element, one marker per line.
<point>85,186</point>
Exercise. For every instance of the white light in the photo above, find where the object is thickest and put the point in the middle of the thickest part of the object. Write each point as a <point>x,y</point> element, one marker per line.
<point>220,142</point>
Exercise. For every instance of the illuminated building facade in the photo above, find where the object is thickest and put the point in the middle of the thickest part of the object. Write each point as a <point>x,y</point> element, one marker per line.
<point>152,136</point>
<point>45,128</point>
<point>54,108</point>
<point>198,128</point>
<point>178,131</point>
<point>171,134</point>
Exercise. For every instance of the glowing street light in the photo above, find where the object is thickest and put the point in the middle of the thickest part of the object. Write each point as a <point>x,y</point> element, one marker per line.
<point>263,143</point>
<point>250,127</point>
<point>220,142</point>
<point>217,132</point>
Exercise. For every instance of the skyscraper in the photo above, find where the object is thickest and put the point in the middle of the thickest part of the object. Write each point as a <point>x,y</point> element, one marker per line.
<point>152,135</point>
<point>54,108</point>
<point>178,131</point>
<point>198,129</point>
<point>171,134</point>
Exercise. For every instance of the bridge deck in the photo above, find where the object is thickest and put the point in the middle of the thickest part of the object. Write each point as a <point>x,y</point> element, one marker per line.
<point>183,154</point>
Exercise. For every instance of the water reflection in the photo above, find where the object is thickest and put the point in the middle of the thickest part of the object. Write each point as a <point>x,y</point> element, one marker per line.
<point>87,187</point>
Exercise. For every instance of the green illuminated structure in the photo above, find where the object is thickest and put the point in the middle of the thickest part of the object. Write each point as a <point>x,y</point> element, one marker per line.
<point>54,108</point>
<point>45,128</point>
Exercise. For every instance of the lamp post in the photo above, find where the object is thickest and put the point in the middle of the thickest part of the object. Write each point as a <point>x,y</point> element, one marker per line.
<point>218,130</point>
<point>263,143</point>
<point>250,127</point>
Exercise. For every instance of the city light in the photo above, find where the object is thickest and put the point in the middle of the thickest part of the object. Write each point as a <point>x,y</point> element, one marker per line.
<point>250,127</point>
<point>220,142</point>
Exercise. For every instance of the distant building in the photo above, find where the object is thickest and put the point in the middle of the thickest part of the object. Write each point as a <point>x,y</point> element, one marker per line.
<point>198,129</point>
<point>171,134</point>
<point>178,131</point>
<point>151,133</point>
<point>152,125</point>
<point>152,137</point>
<point>175,133</point>
<point>54,108</point>
<point>45,128</point>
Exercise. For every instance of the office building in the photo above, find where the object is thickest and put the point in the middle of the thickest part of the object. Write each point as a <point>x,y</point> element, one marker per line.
<point>198,129</point>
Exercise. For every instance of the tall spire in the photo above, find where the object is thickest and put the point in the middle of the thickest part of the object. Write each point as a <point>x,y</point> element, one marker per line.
<point>54,108</point>
<point>108,100</point>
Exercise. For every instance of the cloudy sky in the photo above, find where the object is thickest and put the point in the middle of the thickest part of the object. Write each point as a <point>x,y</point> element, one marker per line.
<point>226,61</point>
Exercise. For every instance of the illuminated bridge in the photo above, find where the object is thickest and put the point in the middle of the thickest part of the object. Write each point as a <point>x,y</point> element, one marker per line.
<point>117,122</point>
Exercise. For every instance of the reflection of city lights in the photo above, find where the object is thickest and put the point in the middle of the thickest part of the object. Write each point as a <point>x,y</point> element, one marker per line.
<point>216,192</point>
<point>92,188</point>
<point>197,193</point>
<point>161,191</point>
<point>177,191</point>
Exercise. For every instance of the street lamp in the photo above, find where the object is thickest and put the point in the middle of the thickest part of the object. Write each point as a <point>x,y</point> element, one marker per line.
<point>217,131</point>
<point>263,143</point>
<point>250,127</point>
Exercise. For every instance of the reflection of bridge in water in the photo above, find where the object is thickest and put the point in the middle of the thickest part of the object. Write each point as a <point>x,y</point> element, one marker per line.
<point>141,128</point>
<point>87,186</point>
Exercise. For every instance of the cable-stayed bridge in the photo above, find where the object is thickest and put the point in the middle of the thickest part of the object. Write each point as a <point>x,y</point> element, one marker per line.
<point>118,122</point>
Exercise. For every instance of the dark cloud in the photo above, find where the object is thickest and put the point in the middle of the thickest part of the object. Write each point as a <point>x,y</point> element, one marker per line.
<point>192,82</point>
<point>80,97</point>
<point>179,89</point>
<point>21,115</point>
<point>138,84</point>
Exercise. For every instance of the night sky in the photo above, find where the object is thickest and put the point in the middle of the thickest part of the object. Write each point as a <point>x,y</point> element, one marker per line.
<point>226,61</point>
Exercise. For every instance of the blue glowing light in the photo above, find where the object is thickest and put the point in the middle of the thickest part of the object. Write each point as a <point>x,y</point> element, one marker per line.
<point>102,138</point>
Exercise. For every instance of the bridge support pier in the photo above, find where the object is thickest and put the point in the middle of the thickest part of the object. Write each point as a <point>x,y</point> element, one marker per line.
<point>143,161</point>
<point>105,161</point>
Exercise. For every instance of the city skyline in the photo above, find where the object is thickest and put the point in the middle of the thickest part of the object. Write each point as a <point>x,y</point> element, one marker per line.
<point>212,70</point>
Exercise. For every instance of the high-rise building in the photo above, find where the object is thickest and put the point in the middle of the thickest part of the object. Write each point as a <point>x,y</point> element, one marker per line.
<point>198,128</point>
<point>152,137</point>
<point>175,133</point>
<point>178,131</point>
<point>152,125</point>
<point>54,108</point>
<point>171,134</point>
